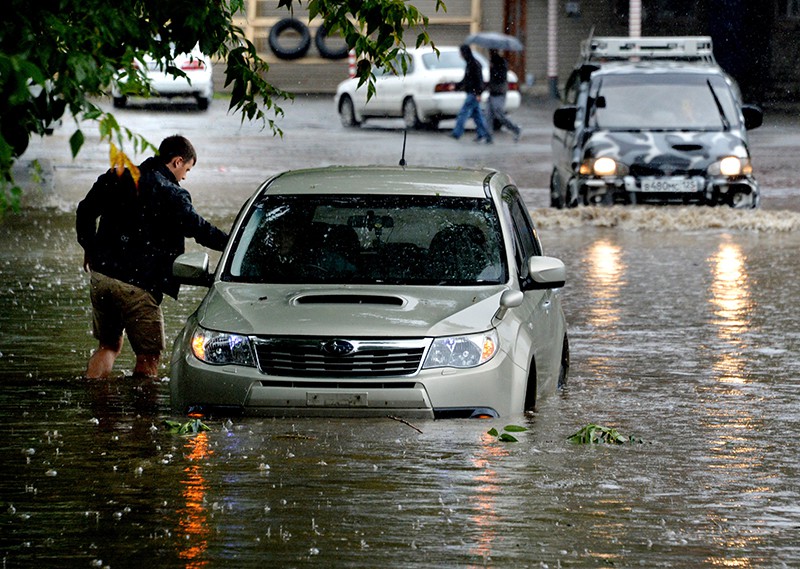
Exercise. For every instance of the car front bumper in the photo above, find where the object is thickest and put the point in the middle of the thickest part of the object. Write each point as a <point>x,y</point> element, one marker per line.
<point>496,387</point>
<point>741,192</point>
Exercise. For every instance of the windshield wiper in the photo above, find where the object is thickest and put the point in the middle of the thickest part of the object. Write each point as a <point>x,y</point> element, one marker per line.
<point>725,122</point>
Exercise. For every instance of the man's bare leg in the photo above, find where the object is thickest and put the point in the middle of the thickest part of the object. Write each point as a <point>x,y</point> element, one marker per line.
<point>102,361</point>
<point>146,365</point>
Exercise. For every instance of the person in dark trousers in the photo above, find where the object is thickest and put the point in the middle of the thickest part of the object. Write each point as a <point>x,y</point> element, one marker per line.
<point>473,84</point>
<point>498,87</point>
<point>130,251</point>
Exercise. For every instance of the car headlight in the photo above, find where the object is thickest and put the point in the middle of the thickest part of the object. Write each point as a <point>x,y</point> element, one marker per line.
<point>462,351</point>
<point>603,166</point>
<point>731,166</point>
<point>220,348</point>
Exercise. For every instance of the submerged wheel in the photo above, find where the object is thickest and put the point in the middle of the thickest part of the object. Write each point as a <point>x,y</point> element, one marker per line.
<point>557,198</point>
<point>563,371</point>
<point>530,390</point>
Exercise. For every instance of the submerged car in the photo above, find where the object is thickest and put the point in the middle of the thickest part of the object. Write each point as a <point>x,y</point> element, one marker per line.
<point>652,120</point>
<point>374,291</point>
<point>423,96</point>
<point>198,82</point>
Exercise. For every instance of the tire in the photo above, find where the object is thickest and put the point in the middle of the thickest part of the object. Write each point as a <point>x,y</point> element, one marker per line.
<point>563,371</point>
<point>324,50</point>
<point>410,117</point>
<point>120,102</point>
<point>347,112</point>
<point>295,52</point>
<point>530,390</point>
<point>557,198</point>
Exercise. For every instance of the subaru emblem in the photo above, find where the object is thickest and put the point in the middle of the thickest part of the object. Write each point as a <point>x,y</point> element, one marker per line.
<point>337,347</point>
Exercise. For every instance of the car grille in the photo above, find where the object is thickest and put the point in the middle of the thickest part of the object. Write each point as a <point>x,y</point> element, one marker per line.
<point>332,358</point>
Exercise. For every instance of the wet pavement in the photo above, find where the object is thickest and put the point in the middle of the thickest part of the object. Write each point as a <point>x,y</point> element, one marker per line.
<point>683,326</point>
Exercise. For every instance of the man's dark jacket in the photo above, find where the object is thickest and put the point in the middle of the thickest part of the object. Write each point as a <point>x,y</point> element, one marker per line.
<point>141,232</point>
<point>472,82</point>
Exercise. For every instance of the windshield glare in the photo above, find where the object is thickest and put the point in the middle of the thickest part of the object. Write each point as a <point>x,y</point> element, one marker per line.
<point>362,239</point>
<point>663,102</point>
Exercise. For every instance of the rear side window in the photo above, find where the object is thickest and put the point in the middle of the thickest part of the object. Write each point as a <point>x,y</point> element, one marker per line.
<point>526,241</point>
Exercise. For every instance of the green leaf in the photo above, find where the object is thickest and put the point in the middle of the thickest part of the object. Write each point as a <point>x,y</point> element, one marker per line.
<point>515,429</point>
<point>506,438</point>
<point>75,142</point>
<point>493,432</point>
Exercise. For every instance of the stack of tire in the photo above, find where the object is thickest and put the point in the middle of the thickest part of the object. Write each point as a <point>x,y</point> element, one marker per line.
<point>300,49</point>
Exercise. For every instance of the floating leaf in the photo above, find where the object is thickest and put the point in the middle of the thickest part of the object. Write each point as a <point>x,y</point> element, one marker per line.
<point>493,432</point>
<point>515,429</point>
<point>506,438</point>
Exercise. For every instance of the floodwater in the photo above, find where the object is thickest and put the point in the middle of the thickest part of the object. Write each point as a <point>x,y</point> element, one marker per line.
<point>685,340</point>
<point>684,333</point>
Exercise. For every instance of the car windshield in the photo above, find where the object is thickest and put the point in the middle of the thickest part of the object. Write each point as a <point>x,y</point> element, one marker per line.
<point>663,102</point>
<point>368,239</point>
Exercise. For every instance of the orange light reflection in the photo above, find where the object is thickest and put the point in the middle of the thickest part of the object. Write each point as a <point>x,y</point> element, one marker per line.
<point>485,518</point>
<point>193,517</point>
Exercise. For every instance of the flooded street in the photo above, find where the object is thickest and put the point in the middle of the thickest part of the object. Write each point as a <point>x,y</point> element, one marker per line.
<point>684,334</point>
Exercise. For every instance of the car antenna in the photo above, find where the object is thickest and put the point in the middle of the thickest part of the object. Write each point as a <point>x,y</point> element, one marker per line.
<point>403,155</point>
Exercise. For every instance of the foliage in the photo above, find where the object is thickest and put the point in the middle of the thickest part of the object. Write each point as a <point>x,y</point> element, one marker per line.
<point>591,434</point>
<point>506,436</point>
<point>191,427</point>
<point>58,56</point>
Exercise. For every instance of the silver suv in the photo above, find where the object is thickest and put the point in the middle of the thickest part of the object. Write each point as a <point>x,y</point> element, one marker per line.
<point>652,120</point>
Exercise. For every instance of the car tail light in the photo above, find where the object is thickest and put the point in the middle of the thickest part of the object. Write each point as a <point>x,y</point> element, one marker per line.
<point>193,65</point>
<point>513,86</point>
<point>444,87</point>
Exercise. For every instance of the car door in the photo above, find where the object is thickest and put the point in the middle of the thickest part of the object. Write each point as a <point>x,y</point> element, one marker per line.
<point>389,87</point>
<point>540,312</point>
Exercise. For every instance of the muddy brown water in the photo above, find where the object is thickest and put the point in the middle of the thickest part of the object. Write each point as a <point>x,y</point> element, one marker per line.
<point>684,332</point>
<point>685,339</point>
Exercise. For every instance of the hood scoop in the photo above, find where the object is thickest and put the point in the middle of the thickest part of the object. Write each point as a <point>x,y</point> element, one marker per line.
<point>349,299</point>
<point>687,147</point>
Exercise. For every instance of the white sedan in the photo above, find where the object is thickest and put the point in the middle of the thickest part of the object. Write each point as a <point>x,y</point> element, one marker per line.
<point>425,95</point>
<point>197,84</point>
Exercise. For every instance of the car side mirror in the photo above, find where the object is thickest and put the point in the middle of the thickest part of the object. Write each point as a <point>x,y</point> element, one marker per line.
<point>546,272</point>
<point>564,118</point>
<point>509,299</point>
<point>753,116</point>
<point>192,269</point>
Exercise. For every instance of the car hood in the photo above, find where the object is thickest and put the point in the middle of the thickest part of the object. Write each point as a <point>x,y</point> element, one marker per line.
<point>666,152</point>
<point>351,311</point>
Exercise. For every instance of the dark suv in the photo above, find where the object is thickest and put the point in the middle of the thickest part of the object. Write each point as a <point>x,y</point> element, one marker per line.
<point>652,120</point>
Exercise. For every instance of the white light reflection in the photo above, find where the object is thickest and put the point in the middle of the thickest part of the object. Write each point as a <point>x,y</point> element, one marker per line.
<point>732,307</point>
<point>606,276</point>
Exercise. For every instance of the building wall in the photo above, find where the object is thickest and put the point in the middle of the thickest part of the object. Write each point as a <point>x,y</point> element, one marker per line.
<point>754,41</point>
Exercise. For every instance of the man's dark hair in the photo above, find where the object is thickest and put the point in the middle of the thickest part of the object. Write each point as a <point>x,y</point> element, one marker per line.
<point>176,145</point>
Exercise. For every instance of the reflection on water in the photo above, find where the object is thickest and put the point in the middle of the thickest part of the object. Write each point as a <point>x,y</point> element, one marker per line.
<point>485,518</point>
<point>606,275</point>
<point>732,306</point>
<point>193,516</point>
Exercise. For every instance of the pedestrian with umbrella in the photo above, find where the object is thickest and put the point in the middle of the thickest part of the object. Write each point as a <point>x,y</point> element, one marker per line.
<point>498,77</point>
<point>472,83</point>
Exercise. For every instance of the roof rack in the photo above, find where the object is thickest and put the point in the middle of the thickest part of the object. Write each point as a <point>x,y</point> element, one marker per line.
<point>684,48</point>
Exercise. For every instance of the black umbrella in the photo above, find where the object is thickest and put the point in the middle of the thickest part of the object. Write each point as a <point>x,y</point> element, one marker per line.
<point>495,40</point>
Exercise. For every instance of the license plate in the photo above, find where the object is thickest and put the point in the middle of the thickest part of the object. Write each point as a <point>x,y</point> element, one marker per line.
<point>676,185</point>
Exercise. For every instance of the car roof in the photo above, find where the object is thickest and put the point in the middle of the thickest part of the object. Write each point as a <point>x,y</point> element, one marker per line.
<point>349,180</point>
<point>650,67</point>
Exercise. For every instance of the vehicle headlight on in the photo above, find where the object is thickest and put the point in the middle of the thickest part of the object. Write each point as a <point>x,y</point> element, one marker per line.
<point>731,166</point>
<point>220,348</point>
<point>603,166</point>
<point>462,351</point>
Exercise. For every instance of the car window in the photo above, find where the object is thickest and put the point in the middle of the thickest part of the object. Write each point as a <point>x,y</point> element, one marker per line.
<point>396,67</point>
<point>369,239</point>
<point>526,241</point>
<point>663,101</point>
<point>449,60</point>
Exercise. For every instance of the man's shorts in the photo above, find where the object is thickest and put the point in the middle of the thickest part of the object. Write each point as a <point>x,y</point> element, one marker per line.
<point>119,306</point>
